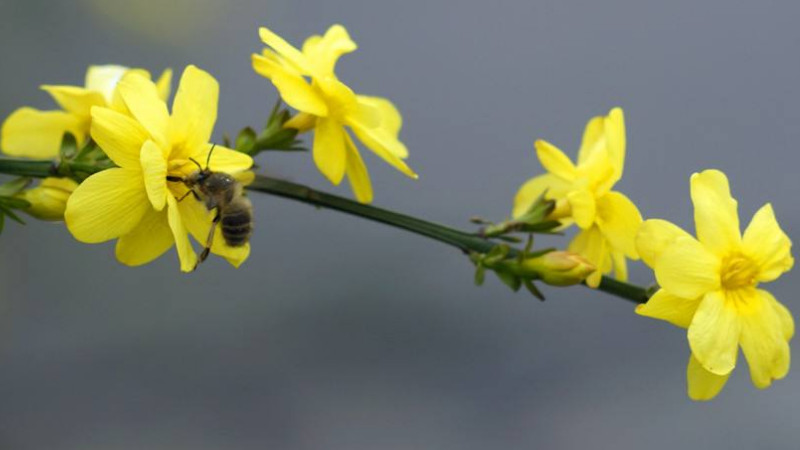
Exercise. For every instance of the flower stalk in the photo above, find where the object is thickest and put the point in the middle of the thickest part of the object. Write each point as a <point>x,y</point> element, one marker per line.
<point>462,240</point>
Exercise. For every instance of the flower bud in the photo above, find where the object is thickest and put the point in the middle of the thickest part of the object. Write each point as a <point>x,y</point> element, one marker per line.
<point>558,268</point>
<point>48,200</point>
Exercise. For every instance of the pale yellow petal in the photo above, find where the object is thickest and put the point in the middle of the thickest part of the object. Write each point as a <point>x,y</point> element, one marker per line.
<point>714,333</point>
<point>147,241</point>
<point>120,136</point>
<point>357,172</point>
<point>767,245</point>
<point>592,245</point>
<point>687,269</point>
<point>715,212</point>
<point>224,159</point>
<point>785,317</point>
<point>104,79</point>
<point>186,254</point>
<point>106,205</point>
<point>620,266</point>
<point>619,220</point>
<point>594,139</point>
<point>654,236</point>
<point>324,51</point>
<point>288,52</point>
<point>701,384</point>
<point>301,122</point>
<point>386,117</point>
<point>763,341</point>
<point>142,100</point>
<point>667,306</point>
<point>32,133</point>
<point>554,160</point>
<point>385,146</point>
<point>614,125</point>
<point>583,207</point>
<point>532,189</point>
<point>75,100</point>
<point>194,110</point>
<point>164,85</point>
<point>293,88</point>
<point>329,151</point>
<point>154,171</point>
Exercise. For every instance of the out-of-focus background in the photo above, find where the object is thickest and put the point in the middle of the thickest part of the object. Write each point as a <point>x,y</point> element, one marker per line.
<point>344,334</point>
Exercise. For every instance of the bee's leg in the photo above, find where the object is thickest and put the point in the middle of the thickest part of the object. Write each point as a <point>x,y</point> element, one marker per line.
<point>190,191</point>
<point>209,241</point>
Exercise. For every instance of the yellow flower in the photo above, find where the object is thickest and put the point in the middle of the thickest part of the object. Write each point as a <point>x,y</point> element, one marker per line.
<point>608,219</point>
<point>48,200</point>
<point>134,202</point>
<point>710,286</point>
<point>306,81</point>
<point>37,134</point>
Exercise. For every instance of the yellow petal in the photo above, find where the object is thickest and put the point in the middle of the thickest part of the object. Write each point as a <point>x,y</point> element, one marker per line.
<point>120,136</point>
<point>154,171</point>
<point>583,207</point>
<point>38,134</point>
<point>75,100</point>
<point>186,254</point>
<point>592,245</point>
<point>104,79</point>
<point>142,100</point>
<point>224,159</point>
<point>324,51</point>
<point>687,269</point>
<point>194,110</point>
<point>619,220</point>
<point>301,122</point>
<point>147,241</point>
<point>785,317</point>
<point>383,145</point>
<point>594,139</point>
<point>763,341</point>
<point>620,266</point>
<point>554,160</point>
<point>654,236</point>
<point>164,85</point>
<point>714,333</point>
<point>666,306</point>
<point>715,212</point>
<point>532,189</point>
<point>293,88</point>
<point>288,52</point>
<point>329,151</point>
<point>766,244</point>
<point>197,219</point>
<point>701,384</point>
<point>614,125</point>
<point>380,113</point>
<point>106,205</point>
<point>357,172</point>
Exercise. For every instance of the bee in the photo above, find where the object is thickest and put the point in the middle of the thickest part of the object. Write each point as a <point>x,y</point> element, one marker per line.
<point>221,192</point>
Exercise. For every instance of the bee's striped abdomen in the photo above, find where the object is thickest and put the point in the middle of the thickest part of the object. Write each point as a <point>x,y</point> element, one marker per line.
<point>237,223</point>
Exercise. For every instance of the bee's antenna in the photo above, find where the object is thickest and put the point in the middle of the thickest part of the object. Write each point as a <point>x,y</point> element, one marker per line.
<point>196,163</point>
<point>208,159</point>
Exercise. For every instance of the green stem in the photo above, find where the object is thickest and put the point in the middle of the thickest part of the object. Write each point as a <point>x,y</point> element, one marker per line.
<point>462,240</point>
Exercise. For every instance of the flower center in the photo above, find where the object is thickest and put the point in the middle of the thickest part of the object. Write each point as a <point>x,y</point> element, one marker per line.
<point>738,271</point>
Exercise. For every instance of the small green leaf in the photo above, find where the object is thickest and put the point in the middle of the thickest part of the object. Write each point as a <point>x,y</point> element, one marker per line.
<point>14,186</point>
<point>480,275</point>
<point>15,203</point>
<point>533,289</point>
<point>2,221</point>
<point>246,140</point>
<point>69,146</point>
<point>512,281</point>
<point>11,214</point>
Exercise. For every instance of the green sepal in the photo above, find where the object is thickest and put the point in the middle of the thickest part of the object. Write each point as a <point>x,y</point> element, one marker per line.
<point>14,186</point>
<point>510,280</point>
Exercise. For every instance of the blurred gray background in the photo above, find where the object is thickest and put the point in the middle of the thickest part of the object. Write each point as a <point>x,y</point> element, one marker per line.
<point>343,334</point>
